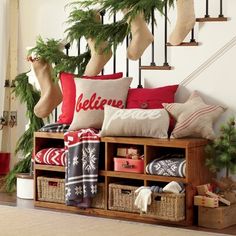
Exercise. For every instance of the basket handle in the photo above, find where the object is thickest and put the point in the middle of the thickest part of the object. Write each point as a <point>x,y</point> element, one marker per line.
<point>52,183</point>
<point>126,191</point>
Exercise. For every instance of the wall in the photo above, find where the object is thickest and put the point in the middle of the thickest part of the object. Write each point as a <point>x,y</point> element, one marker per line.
<point>3,50</point>
<point>214,83</point>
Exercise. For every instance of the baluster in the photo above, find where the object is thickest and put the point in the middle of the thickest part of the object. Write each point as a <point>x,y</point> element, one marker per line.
<point>192,40</point>
<point>114,51</point>
<point>139,74</point>
<point>127,59</point>
<point>165,43</point>
<point>102,13</point>
<point>221,9</point>
<point>153,46</point>
<point>67,47</point>
<point>207,9</point>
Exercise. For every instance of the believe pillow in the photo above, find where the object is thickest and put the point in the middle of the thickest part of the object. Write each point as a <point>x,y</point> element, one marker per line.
<point>92,95</point>
<point>69,93</point>
<point>135,122</point>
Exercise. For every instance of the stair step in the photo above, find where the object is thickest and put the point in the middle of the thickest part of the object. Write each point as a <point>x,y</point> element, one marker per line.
<point>155,67</point>
<point>184,44</point>
<point>213,19</point>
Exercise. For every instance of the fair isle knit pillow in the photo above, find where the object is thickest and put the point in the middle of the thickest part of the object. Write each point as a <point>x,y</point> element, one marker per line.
<point>194,117</point>
<point>92,96</point>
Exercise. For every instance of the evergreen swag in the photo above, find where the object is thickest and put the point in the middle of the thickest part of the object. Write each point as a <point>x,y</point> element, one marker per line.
<point>28,95</point>
<point>223,150</point>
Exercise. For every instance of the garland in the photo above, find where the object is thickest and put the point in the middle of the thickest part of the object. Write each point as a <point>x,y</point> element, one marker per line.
<point>27,94</point>
<point>84,23</point>
<point>51,51</point>
<point>134,6</point>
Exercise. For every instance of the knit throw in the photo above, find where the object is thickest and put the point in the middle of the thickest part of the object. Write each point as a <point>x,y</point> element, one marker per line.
<point>82,150</point>
<point>168,165</point>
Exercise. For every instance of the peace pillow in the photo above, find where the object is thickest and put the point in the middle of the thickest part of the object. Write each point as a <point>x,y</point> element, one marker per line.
<point>135,122</point>
<point>92,95</point>
<point>69,93</point>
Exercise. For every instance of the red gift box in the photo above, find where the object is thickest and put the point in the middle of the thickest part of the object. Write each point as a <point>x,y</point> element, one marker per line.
<point>128,165</point>
<point>4,162</point>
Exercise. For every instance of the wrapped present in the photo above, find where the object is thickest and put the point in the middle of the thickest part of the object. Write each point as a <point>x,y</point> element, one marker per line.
<point>129,152</point>
<point>206,201</point>
<point>202,189</point>
<point>221,199</point>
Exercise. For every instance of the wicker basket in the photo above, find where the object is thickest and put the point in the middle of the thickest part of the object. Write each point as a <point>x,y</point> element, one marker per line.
<point>121,198</point>
<point>53,190</point>
<point>99,200</point>
<point>167,206</point>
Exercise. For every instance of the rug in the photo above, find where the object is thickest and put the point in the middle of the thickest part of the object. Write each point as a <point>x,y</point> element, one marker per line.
<point>15,221</point>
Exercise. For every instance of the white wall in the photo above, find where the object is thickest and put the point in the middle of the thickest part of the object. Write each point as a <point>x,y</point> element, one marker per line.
<point>215,83</point>
<point>3,51</point>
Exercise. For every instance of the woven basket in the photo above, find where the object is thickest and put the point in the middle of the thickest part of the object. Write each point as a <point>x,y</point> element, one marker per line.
<point>167,206</point>
<point>99,200</point>
<point>53,190</point>
<point>121,198</point>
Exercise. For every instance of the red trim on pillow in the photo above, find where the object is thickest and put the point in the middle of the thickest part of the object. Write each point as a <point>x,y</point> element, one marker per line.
<point>69,93</point>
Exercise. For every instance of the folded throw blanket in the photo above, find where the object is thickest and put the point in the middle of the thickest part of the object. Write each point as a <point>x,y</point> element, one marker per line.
<point>168,165</point>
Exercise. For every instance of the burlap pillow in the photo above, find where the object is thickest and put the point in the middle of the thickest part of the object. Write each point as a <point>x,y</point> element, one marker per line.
<point>92,95</point>
<point>194,117</point>
<point>135,122</point>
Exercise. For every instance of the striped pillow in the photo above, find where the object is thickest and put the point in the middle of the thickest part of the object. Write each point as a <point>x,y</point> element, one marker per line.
<point>194,117</point>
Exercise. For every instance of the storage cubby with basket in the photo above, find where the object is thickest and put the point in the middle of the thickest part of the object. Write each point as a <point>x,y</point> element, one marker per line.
<point>116,188</point>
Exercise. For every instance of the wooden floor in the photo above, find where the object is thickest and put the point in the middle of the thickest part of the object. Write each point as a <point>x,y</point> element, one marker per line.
<point>12,200</point>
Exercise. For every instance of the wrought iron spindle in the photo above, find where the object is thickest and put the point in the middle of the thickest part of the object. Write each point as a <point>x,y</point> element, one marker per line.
<point>192,40</point>
<point>127,59</point>
<point>114,51</point>
<point>139,73</point>
<point>165,42</point>
<point>67,47</point>
<point>153,46</point>
<point>221,9</point>
<point>102,13</point>
<point>207,9</point>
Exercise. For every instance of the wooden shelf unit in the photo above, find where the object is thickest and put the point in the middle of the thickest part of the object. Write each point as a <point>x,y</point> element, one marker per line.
<point>196,171</point>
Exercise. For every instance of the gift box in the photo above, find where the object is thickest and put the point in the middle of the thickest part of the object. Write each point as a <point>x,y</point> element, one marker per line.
<point>127,151</point>
<point>206,201</point>
<point>128,165</point>
<point>202,189</point>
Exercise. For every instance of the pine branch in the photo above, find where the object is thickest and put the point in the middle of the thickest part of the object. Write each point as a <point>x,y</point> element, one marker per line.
<point>30,96</point>
<point>222,151</point>
<point>135,6</point>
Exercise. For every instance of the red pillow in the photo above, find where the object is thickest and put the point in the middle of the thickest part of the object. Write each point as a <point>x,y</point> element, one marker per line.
<point>69,94</point>
<point>51,156</point>
<point>152,98</point>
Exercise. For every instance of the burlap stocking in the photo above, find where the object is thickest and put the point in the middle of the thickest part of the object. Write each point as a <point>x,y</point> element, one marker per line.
<point>99,58</point>
<point>185,21</point>
<point>51,95</point>
<point>141,37</point>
